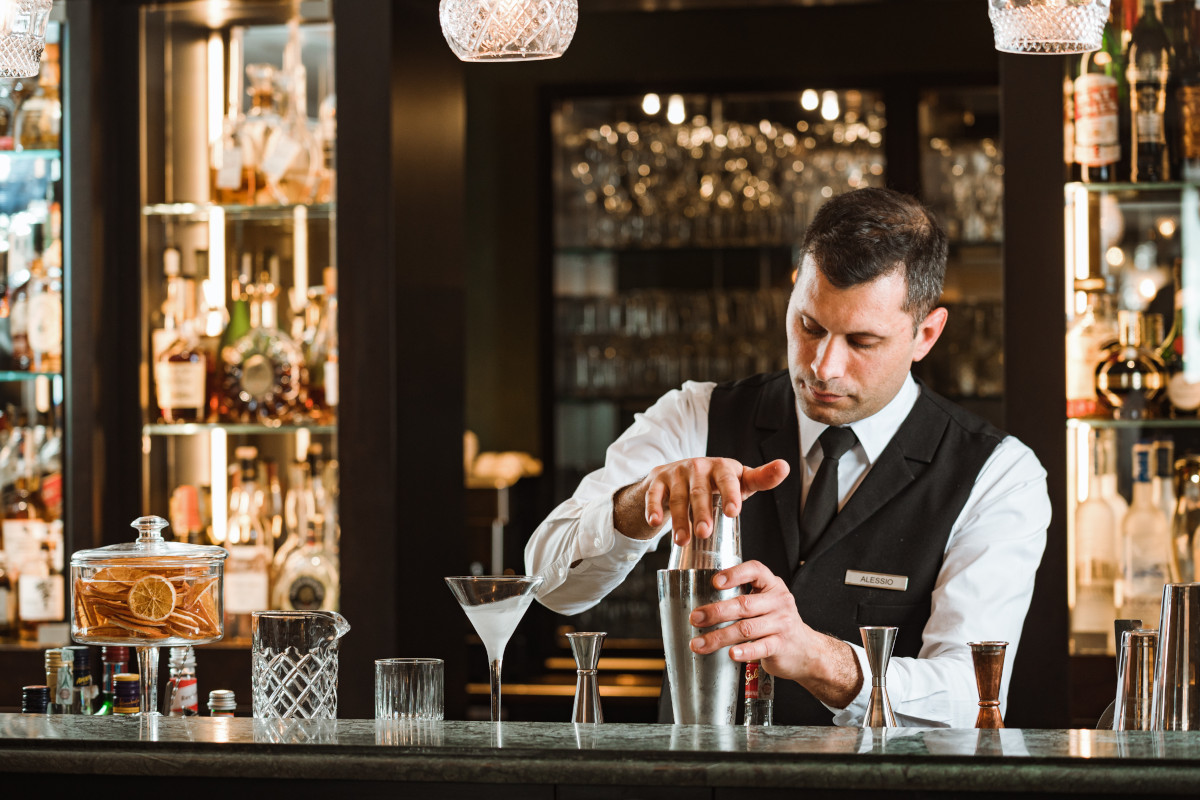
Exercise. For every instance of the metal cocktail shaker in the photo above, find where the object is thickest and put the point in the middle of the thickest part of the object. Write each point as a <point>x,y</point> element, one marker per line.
<point>704,688</point>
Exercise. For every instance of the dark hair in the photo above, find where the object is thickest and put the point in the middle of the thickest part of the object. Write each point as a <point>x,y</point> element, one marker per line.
<point>864,234</point>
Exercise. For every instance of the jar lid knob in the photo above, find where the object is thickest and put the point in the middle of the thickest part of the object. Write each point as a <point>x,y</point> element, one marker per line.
<point>149,528</point>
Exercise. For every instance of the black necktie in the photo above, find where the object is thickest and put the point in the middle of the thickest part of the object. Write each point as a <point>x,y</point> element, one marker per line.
<point>821,505</point>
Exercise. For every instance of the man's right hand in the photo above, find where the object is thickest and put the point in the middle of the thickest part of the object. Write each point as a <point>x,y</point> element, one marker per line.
<point>640,508</point>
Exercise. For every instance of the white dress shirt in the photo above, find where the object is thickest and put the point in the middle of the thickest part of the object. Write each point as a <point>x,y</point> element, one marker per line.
<point>982,591</point>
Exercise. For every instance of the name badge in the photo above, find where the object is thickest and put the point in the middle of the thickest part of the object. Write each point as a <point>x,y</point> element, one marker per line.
<point>876,580</point>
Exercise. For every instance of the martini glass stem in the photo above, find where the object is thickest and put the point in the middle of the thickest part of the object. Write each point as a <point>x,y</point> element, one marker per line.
<point>148,678</point>
<point>495,681</point>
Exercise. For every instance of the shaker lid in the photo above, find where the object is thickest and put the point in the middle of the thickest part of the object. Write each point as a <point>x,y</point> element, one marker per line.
<point>150,549</point>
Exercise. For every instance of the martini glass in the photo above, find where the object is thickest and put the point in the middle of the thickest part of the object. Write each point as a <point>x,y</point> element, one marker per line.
<point>494,604</point>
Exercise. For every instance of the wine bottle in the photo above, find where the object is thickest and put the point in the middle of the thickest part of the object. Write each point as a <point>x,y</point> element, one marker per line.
<point>1097,111</point>
<point>1148,69</point>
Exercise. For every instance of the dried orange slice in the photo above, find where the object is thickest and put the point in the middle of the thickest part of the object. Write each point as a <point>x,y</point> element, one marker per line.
<point>152,598</point>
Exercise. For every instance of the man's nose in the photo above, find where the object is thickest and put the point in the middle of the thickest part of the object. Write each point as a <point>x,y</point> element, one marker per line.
<point>829,362</point>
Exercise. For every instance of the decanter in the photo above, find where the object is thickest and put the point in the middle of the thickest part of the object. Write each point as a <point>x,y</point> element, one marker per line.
<point>39,117</point>
<point>291,155</point>
<point>1132,378</point>
<point>263,367</point>
<point>260,122</point>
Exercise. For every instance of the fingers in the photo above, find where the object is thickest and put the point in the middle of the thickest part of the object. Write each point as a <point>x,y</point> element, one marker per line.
<point>768,476</point>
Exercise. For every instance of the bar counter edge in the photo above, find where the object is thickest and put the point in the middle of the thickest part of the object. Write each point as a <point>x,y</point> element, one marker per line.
<point>565,760</point>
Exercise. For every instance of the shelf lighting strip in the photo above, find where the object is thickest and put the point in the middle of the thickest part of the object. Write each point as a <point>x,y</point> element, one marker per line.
<point>1189,221</point>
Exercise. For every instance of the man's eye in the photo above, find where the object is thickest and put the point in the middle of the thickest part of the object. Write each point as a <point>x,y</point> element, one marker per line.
<point>810,329</point>
<point>861,344</point>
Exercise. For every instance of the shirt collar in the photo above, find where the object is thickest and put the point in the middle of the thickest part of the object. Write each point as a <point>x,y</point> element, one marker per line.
<point>873,432</point>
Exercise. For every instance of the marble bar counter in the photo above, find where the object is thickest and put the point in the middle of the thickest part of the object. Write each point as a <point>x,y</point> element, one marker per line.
<point>210,757</point>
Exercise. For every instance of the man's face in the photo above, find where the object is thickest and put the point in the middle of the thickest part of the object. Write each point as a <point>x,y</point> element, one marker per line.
<point>849,350</point>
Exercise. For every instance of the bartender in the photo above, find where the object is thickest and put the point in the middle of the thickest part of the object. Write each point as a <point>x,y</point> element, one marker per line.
<point>865,498</point>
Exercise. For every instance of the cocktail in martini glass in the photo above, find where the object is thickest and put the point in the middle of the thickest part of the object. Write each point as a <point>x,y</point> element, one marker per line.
<point>494,604</point>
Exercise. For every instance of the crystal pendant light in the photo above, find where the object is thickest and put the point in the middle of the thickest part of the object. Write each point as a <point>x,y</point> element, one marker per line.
<point>22,36</point>
<point>1048,26</point>
<point>508,30</point>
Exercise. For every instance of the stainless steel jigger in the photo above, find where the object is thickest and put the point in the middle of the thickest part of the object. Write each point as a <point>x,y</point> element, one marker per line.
<point>878,642</point>
<point>704,688</point>
<point>586,649</point>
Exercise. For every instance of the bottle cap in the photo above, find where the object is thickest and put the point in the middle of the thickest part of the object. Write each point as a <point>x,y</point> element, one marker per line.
<point>54,659</point>
<point>221,700</point>
<point>34,699</point>
<point>126,684</point>
<point>114,655</point>
<point>82,657</point>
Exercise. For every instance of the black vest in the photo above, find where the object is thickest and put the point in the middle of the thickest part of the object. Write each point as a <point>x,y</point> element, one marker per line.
<point>896,522</point>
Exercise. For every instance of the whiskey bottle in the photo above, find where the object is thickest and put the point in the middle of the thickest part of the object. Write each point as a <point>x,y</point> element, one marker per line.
<point>39,117</point>
<point>181,378</point>
<point>1147,545</point>
<point>1148,72</point>
<point>263,368</point>
<point>321,358</point>
<point>1187,92</point>
<point>298,510</point>
<point>232,171</point>
<point>44,327</point>
<point>40,596</point>
<point>1087,339</point>
<point>247,570</point>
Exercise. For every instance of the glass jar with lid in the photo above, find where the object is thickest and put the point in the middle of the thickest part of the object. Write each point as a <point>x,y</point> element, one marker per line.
<point>148,593</point>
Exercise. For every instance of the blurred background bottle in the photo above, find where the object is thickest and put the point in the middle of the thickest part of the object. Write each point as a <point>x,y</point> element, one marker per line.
<point>1147,544</point>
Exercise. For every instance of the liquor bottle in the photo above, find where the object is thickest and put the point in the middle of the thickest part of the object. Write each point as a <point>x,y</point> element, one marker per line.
<point>262,369</point>
<point>115,661</point>
<point>760,695</point>
<point>273,504</point>
<point>327,138</point>
<point>60,677</point>
<point>186,521</point>
<point>1096,93</point>
<point>39,117</point>
<point>260,122</point>
<point>321,357</point>
<point>181,698</point>
<point>1108,478</point>
<point>292,154</point>
<point>83,697</point>
<point>18,317</point>
<point>44,327</point>
<point>40,596</point>
<point>1148,72</point>
<point>35,699</point>
<point>1147,544</point>
<point>1131,378</point>
<point>1088,338</point>
<point>221,703</point>
<point>8,116</point>
<point>237,326</point>
<point>50,465</point>
<point>1163,456</point>
<point>298,510</point>
<point>232,155</point>
<point>1096,545</point>
<point>1187,91</point>
<point>8,600</point>
<point>127,693</point>
<point>174,311</point>
<point>181,378</point>
<point>247,570</point>
<point>308,573</point>
<point>1186,521</point>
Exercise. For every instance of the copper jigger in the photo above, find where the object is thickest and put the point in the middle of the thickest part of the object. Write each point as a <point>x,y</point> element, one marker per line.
<point>989,668</point>
<point>878,641</point>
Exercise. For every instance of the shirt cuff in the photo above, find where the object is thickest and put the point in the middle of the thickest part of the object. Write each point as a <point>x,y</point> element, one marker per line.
<point>856,711</point>
<point>603,539</point>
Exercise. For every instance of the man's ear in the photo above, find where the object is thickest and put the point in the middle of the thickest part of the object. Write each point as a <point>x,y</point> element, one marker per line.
<point>928,332</point>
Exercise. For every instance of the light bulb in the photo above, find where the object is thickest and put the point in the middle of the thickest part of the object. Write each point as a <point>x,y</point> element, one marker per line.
<point>675,112</point>
<point>651,104</point>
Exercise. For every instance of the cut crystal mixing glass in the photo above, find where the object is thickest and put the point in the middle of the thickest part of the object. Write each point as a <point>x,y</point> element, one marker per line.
<point>294,658</point>
<point>494,604</point>
<point>1048,26</point>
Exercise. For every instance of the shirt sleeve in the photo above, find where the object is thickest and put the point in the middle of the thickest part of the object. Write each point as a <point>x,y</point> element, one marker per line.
<point>581,530</point>
<point>982,594</point>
